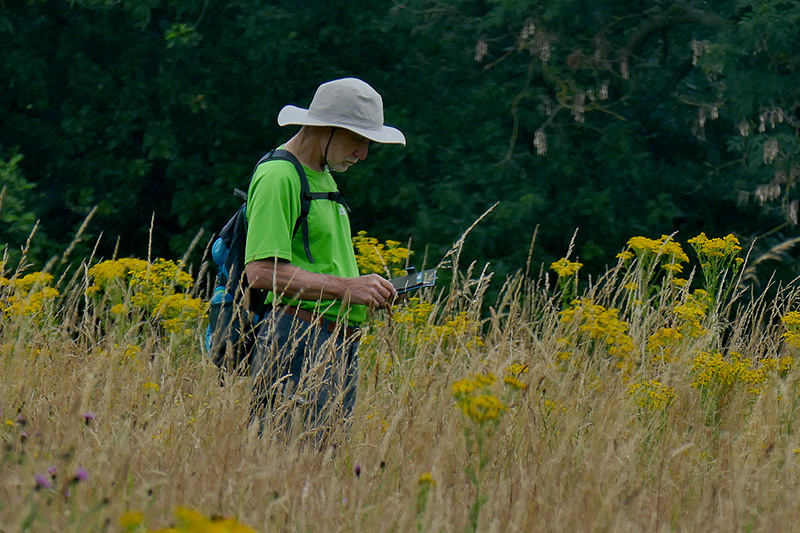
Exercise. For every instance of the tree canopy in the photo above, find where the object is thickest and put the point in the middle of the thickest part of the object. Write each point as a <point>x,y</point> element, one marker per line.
<point>613,118</point>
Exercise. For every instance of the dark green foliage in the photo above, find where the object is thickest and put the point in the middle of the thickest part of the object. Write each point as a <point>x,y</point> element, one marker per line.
<point>616,118</point>
<point>17,220</point>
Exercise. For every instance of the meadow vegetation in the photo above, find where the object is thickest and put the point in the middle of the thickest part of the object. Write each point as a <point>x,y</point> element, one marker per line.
<point>661,396</point>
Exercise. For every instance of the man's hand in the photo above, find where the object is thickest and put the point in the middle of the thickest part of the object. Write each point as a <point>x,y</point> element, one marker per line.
<point>371,290</point>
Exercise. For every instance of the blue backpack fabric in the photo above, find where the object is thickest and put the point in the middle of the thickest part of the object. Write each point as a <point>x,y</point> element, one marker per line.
<point>235,311</point>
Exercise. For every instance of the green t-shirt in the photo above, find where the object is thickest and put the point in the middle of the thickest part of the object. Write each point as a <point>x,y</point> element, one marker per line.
<point>273,207</point>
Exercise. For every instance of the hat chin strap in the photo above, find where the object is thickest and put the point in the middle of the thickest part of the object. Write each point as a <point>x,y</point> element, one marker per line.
<point>328,147</point>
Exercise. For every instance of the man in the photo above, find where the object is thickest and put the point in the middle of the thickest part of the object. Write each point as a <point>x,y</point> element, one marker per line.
<point>305,362</point>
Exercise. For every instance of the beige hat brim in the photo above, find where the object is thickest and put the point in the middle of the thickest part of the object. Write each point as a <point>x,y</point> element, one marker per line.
<point>293,115</point>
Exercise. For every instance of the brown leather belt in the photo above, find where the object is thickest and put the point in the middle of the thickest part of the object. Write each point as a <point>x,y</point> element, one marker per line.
<point>314,318</point>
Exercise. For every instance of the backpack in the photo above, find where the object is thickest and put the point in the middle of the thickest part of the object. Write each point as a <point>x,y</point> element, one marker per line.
<point>235,311</point>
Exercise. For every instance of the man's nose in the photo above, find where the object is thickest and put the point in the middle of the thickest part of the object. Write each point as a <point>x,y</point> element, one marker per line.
<point>362,151</point>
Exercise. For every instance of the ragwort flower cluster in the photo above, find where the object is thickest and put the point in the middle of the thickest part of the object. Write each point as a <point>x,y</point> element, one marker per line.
<point>601,326</point>
<point>417,326</point>
<point>477,396</point>
<point>418,315</point>
<point>187,520</point>
<point>690,315</point>
<point>567,272</point>
<point>157,289</point>
<point>686,323</point>
<point>651,395</point>
<point>718,259</point>
<point>663,345</point>
<point>475,399</point>
<point>665,250</point>
<point>791,322</point>
<point>565,268</point>
<point>375,257</point>
<point>26,295</point>
<point>718,375</point>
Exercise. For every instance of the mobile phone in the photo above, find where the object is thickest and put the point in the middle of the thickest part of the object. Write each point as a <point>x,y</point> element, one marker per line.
<point>414,280</point>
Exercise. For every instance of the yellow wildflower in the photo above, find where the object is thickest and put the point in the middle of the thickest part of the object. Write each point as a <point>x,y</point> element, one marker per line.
<point>514,382</point>
<point>792,323</point>
<point>725,247</point>
<point>484,407</point>
<point>712,370</point>
<point>464,386</point>
<point>29,294</point>
<point>601,324</point>
<point>651,395</point>
<point>565,268</point>
<point>484,380</point>
<point>716,257</point>
<point>426,479</point>
<point>131,520</point>
<point>663,343</point>
<point>31,280</point>
<point>517,369</point>
<point>372,256</point>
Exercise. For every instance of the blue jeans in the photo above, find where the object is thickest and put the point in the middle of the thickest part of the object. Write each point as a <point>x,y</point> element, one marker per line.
<point>304,377</point>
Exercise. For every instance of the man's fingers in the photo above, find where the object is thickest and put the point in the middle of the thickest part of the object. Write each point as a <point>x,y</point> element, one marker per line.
<point>373,291</point>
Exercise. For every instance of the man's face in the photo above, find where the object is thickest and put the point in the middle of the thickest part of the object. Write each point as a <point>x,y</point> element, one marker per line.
<point>346,149</point>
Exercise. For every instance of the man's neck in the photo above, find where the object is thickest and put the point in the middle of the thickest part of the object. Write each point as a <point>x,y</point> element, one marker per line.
<point>305,146</point>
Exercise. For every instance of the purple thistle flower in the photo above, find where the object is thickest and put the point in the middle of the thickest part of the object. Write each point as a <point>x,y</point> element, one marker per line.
<point>53,470</point>
<point>81,474</point>
<point>42,481</point>
<point>88,417</point>
<point>358,470</point>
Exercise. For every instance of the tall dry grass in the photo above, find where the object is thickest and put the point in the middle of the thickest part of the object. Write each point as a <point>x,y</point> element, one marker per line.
<point>142,412</point>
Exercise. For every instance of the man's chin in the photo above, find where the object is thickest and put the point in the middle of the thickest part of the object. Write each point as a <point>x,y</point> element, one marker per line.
<point>341,167</point>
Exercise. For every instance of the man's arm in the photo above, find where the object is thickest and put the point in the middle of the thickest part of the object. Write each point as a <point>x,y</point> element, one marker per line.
<point>284,278</point>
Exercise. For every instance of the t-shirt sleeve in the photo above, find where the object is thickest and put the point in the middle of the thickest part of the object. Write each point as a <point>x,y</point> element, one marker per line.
<point>273,206</point>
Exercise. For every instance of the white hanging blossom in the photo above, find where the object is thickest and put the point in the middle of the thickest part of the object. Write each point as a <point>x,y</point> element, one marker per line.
<point>528,30</point>
<point>768,192</point>
<point>698,47</point>
<point>791,212</point>
<point>604,90</point>
<point>540,142</point>
<point>547,105</point>
<point>771,150</point>
<point>545,51</point>
<point>744,128</point>
<point>700,124</point>
<point>481,49</point>
<point>579,107</point>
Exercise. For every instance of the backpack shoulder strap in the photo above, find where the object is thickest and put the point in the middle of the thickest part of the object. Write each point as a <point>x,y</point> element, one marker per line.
<point>305,195</point>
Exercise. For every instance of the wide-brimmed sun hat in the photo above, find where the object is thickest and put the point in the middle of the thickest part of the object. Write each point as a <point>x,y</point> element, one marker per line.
<point>347,103</point>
